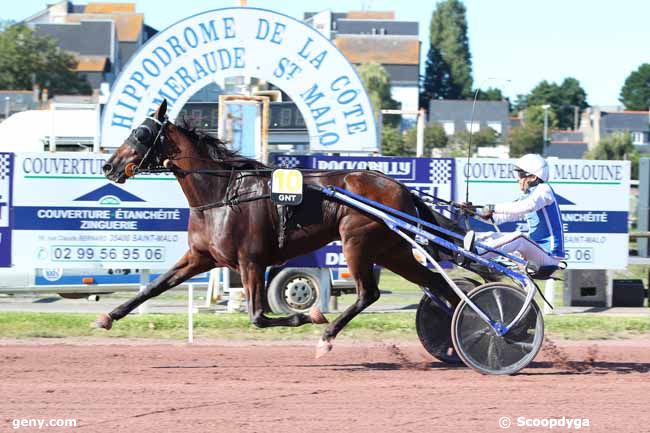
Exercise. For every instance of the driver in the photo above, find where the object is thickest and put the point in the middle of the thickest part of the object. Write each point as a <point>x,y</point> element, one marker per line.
<point>544,243</point>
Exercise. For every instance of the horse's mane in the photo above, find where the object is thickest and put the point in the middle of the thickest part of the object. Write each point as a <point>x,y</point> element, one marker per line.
<point>216,149</point>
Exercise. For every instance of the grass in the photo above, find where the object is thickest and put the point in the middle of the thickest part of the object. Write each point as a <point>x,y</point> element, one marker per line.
<point>373,326</point>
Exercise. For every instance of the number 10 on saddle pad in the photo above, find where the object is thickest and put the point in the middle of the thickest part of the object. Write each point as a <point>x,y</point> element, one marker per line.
<point>286,187</point>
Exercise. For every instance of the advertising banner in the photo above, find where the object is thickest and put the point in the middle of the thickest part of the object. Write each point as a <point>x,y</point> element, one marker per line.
<point>433,176</point>
<point>593,198</point>
<point>68,215</point>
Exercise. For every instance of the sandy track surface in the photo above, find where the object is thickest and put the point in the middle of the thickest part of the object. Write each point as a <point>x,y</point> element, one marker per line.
<point>137,386</point>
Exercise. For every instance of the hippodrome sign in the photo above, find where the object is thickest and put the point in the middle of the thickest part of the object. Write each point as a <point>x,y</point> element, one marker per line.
<point>66,214</point>
<point>248,42</point>
<point>593,198</point>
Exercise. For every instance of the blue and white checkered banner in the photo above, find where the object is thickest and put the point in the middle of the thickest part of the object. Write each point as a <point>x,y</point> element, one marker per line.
<point>6,170</point>
<point>433,176</point>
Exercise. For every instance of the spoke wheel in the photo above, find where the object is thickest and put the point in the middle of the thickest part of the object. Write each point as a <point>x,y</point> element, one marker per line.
<point>433,325</point>
<point>480,347</point>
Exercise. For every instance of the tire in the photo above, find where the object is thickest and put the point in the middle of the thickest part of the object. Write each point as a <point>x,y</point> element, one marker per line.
<point>433,325</point>
<point>293,291</point>
<point>480,347</point>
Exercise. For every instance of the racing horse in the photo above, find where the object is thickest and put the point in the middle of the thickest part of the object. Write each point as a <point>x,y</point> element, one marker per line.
<point>233,223</point>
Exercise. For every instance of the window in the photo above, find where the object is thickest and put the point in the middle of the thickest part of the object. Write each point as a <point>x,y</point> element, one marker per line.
<point>285,117</point>
<point>637,137</point>
<point>448,127</point>
<point>496,126</point>
<point>472,127</point>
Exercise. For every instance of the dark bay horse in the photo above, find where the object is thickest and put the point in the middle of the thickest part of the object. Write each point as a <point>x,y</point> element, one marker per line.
<point>234,224</point>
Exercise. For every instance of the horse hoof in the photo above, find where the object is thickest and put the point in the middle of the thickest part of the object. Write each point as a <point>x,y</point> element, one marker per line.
<point>322,348</point>
<point>316,316</point>
<point>103,321</point>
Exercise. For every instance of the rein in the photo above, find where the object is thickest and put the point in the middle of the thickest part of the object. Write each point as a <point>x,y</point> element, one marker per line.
<point>148,151</point>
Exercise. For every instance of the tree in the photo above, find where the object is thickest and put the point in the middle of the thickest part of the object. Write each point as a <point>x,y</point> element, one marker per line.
<point>524,139</point>
<point>377,83</point>
<point>563,99</point>
<point>434,137</point>
<point>490,94</point>
<point>535,115</point>
<point>617,145</point>
<point>529,138</point>
<point>27,58</point>
<point>392,143</point>
<point>5,24</point>
<point>448,72</point>
<point>486,137</point>
<point>635,93</point>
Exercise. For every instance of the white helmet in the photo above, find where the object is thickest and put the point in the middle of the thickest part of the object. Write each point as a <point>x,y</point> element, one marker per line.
<point>533,164</point>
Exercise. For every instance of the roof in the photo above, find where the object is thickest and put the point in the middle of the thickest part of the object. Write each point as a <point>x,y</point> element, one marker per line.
<point>566,150</point>
<point>91,63</point>
<point>128,25</point>
<point>630,120</point>
<point>453,109</point>
<point>377,27</point>
<point>18,100</point>
<point>371,15</point>
<point>398,50</point>
<point>567,137</point>
<point>88,38</point>
<point>8,92</point>
<point>103,8</point>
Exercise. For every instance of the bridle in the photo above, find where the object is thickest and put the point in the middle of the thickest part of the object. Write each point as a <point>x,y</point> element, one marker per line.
<point>140,141</point>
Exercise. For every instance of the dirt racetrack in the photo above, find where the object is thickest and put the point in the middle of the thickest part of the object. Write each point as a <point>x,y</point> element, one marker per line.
<point>137,386</point>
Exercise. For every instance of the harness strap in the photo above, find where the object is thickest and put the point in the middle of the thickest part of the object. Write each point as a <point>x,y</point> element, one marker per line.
<point>232,202</point>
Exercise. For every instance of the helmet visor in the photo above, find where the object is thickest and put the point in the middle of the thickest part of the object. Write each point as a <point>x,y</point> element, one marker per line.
<point>521,173</point>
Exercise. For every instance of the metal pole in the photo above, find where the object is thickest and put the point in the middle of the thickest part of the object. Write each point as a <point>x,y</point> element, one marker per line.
<point>52,128</point>
<point>144,280</point>
<point>7,105</point>
<point>190,313</point>
<point>420,134</point>
<point>96,138</point>
<point>545,107</point>
<point>549,293</point>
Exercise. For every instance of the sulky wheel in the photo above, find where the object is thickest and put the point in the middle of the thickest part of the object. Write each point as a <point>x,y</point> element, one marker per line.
<point>433,325</point>
<point>480,347</point>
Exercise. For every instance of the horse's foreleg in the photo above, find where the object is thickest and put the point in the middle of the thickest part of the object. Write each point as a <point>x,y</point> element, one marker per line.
<point>253,280</point>
<point>188,266</point>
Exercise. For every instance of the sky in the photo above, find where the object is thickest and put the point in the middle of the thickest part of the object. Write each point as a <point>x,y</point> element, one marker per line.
<point>515,44</point>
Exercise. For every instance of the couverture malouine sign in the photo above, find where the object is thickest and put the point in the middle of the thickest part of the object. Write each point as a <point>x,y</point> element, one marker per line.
<point>593,197</point>
<point>247,42</point>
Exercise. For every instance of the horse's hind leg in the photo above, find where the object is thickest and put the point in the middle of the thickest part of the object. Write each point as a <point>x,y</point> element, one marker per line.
<point>361,269</point>
<point>402,262</point>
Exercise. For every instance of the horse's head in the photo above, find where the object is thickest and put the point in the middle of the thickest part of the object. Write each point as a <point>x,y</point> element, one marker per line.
<point>141,150</point>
